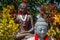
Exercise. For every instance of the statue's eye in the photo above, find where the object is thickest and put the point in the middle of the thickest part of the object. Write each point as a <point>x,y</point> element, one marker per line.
<point>40,30</point>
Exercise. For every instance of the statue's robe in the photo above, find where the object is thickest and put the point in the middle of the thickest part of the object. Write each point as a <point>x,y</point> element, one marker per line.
<point>22,28</point>
<point>27,23</point>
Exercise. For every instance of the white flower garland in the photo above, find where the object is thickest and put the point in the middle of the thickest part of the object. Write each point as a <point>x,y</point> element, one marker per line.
<point>23,19</point>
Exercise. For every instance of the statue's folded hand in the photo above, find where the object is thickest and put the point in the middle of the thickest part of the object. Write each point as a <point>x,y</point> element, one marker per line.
<point>24,32</point>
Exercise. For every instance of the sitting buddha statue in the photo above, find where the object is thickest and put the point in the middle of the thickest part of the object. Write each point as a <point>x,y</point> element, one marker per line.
<point>25,20</point>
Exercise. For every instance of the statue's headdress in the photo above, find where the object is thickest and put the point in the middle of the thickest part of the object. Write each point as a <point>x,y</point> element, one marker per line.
<point>41,22</point>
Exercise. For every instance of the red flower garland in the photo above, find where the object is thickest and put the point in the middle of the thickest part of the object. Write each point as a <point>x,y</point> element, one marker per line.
<point>36,37</point>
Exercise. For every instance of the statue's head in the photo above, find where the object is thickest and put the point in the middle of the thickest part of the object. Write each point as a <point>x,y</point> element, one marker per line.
<point>41,28</point>
<point>22,7</point>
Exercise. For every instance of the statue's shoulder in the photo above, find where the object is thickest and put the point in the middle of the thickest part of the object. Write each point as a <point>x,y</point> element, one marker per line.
<point>18,16</point>
<point>31,38</point>
<point>21,4</point>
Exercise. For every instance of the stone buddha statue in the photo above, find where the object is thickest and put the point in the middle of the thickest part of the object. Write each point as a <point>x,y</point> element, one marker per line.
<point>40,29</point>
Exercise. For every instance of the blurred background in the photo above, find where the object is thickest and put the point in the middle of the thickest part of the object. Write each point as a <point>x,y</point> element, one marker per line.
<point>9,9</point>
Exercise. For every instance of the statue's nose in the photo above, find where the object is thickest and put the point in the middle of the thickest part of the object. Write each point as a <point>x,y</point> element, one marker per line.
<point>42,31</point>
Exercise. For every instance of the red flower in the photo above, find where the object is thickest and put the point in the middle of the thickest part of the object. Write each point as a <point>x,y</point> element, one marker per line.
<point>37,36</point>
<point>46,38</point>
<point>42,13</point>
<point>25,1</point>
<point>11,10</point>
<point>42,8</point>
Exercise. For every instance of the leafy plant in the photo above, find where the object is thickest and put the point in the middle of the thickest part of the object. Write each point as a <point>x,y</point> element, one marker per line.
<point>8,28</point>
<point>52,15</point>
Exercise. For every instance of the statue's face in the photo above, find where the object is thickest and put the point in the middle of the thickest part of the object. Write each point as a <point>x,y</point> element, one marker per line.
<point>41,31</point>
<point>23,7</point>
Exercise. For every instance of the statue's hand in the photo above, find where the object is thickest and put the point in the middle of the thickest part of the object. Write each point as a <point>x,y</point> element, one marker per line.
<point>28,31</point>
<point>24,32</point>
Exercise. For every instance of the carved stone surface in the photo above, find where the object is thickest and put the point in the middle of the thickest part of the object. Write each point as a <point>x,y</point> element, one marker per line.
<point>41,27</point>
<point>25,21</point>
